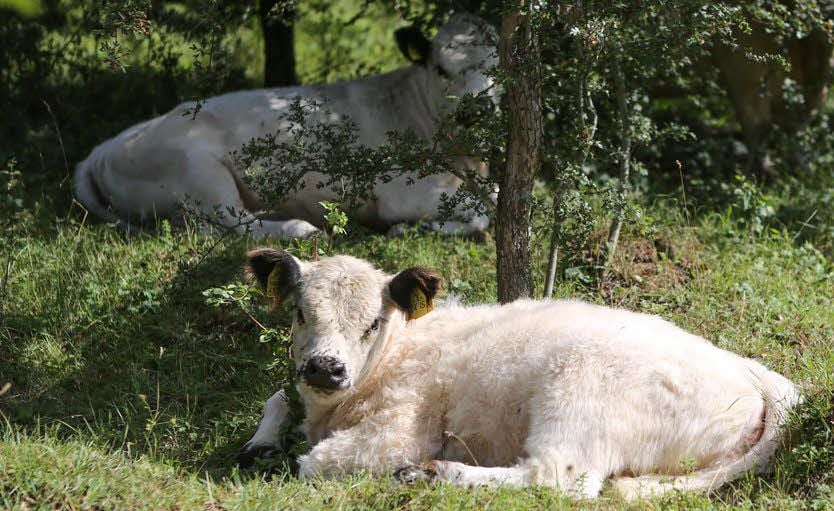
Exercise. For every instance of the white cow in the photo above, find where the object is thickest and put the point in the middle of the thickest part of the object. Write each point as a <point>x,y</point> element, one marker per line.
<point>149,169</point>
<point>556,393</point>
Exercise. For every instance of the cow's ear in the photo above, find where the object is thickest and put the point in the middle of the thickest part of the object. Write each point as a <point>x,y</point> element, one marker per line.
<point>413,44</point>
<point>274,271</point>
<point>413,290</point>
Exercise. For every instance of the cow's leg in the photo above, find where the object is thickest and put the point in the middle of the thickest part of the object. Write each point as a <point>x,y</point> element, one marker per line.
<point>282,229</point>
<point>267,439</point>
<point>477,224</point>
<point>402,201</point>
<point>748,85</point>
<point>568,444</point>
<point>377,445</point>
<point>566,478</point>
<point>811,67</point>
<point>210,187</point>
<point>472,222</point>
<point>754,88</point>
<point>475,228</point>
<point>181,161</point>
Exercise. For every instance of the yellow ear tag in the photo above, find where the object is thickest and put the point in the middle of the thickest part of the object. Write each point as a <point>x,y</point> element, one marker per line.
<point>414,54</point>
<point>272,286</point>
<point>419,306</point>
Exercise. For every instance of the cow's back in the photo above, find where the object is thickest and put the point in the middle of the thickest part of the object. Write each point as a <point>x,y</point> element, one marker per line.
<point>502,367</point>
<point>375,103</point>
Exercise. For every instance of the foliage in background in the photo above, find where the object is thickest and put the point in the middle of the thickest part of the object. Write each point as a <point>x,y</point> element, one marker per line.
<point>23,7</point>
<point>333,33</point>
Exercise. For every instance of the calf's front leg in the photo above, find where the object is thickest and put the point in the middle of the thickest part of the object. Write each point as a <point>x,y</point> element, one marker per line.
<point>267,439</point>
<point>378,450</point>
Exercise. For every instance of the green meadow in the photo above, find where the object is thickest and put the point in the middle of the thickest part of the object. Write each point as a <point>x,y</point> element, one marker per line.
<point>122,387</point>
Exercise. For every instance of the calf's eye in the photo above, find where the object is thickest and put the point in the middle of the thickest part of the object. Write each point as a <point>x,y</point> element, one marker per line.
<point>299,316</point>
<point>373,328</point>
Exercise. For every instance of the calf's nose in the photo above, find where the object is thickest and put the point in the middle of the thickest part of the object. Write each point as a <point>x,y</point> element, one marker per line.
<point>324,372</point>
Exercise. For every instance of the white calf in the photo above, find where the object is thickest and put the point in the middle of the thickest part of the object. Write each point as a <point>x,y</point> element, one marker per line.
<point>556,393</point>
<point>149,169</point>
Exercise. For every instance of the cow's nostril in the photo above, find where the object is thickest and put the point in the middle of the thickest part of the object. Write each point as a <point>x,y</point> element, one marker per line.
<point>325,372</point>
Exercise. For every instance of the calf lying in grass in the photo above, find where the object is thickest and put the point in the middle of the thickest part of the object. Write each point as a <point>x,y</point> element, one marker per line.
<point>556,393</point>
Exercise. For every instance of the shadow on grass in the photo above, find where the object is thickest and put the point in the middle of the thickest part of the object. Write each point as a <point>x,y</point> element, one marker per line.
<point>154,371</point>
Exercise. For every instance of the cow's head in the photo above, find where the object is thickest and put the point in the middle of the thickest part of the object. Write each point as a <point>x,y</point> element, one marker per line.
<point>344,309</point>
<point>456,61</point>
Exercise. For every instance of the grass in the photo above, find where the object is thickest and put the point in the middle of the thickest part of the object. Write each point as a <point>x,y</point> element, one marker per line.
<point>127,390</point>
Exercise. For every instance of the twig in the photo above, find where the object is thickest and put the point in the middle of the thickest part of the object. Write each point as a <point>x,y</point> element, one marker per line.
<point>479,192</point>
<point>683,192</point>
<point>205,254</point>
<point>253,319</point>
<point>9,265</point>
<point>226,231</point>
<point>805,224</point>
<point>316,249</point>
<point>60,142</point>
<point>451,434</point>
<point>625,160</point>
<point>83,220</point>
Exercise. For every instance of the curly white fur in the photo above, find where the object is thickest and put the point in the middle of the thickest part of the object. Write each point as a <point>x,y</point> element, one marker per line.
<point>557,393</point>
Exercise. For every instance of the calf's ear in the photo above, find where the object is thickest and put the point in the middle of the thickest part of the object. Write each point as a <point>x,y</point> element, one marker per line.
<point>274,271</point>
<point>413,44</point>
<point>413,290</point>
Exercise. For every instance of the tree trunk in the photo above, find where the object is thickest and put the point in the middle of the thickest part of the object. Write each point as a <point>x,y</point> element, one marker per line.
<point>519,60</point>
<point>279,49</point>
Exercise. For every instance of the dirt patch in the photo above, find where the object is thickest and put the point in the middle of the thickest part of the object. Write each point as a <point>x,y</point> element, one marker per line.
<point>651,263</point>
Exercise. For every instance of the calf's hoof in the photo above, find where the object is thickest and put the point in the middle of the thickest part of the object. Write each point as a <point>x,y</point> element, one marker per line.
<point>300,229</point>
<point>413,474</point>
<point>250,453</point>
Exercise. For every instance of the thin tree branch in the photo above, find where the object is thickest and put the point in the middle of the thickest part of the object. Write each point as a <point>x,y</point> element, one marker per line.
<point>625,160</point>
<point>587,131</point>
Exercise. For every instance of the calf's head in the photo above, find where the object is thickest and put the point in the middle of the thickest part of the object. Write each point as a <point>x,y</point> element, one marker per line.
<point>456,61</point>
<point>344,308</point>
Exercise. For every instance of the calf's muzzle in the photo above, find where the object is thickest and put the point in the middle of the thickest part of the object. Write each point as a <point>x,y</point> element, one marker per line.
<point>323,372</point>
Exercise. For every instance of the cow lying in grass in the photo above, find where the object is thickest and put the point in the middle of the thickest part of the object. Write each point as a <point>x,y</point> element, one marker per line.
<point>151,168</point>
<point>556,393</point>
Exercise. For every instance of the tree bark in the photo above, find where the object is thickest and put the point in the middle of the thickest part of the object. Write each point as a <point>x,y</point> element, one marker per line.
<point>519,60</point>
<point>279,48</point>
